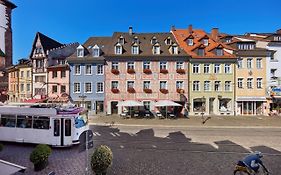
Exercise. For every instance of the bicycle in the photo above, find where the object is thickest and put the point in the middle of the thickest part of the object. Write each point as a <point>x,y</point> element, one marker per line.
<point>242,169</point>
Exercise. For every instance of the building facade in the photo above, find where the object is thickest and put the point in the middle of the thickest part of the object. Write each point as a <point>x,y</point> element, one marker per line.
<point>13,80</point>
<point>87,74</point>
<point>25,80</point>
<point>145,67</point>
<point>211,72</point>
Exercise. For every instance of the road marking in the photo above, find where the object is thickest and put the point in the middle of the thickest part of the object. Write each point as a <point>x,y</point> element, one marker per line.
<point>98,133</point>
<point>154,146</point>
<point>113,134</point>
<point>94,134</point>
<point>121,146</point>
<point>132,134</point>
<point>117,134</point>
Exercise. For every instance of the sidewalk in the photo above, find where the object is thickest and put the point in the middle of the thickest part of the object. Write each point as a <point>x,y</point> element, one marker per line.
<point>214,121</point>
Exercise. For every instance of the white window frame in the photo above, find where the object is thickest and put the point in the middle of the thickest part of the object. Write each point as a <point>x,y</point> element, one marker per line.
<point>96,52</point>
<point>146,82</point>
<point>146,65</point>
<point>219,87</point>
<point>132,64</point>
<point>206,42</point>
<point>76,65</point>
<point>80,52</point>
<point>166,84</point>
<point>259,63</point>
<point>179,65</point>
<point>28,89</point>
<point>97,90</point>
<point>259,83</point>
<point>163,64</point>
<point>156,50</point>
<point>240,63</point>
<point>130,81</point>
<point>240,82</point>
<point>249,63</point>
<point>117,50</point>
<point>85,87</point>
<point>219,68</point>
<point>250,83</point>
<point>227,86</point>
<point>196,86</point>
<point>91,69</point>
<point>79,87</point>
<point>207,67</point>
<point>190,41</point>
<point>114,82</point>
<point>227,68</point>
<point>135,50</point>
<point>207,85</point>
<point>100,71</point>
<point>175,50</point>
<point>115,64</point>
<point>196,68</point>
<point>179,84</point>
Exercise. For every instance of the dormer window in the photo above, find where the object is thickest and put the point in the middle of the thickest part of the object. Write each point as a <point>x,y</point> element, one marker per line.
<point>135,49</point>
<point>121,40</point>
<point>168,41</point>
<point>96,51</point>
<point>205,42</point>
<point>174,49</point>
<point>201,52</point>
<point>136,40</point>
<point>80,51</point>
<point>156,49</point>
<point>153,40</point>
<point>219,52</point>
<point>118,49</point>
<point>277,38</point>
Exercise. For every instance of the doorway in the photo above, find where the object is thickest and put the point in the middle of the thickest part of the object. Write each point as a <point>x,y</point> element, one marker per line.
<point>99,107</point>
<point>211,105</point>
<point>114,107</point>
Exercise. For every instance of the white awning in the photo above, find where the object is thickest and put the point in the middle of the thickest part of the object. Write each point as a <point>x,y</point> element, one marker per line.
<point>166,103</point>
<point>129,103</point>
<point>8,168</point>
<point>251,99</point>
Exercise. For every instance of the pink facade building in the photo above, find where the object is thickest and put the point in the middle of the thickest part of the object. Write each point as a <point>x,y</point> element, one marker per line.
<point>146,68</point>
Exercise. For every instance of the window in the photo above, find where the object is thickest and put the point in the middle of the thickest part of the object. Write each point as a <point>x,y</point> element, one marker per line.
<point>88,69</point>
<point>41,122</point>
<point>179,65</point>
<point>196,69</point>
<point>217,85</point>
<point>146,85</point>
<point>39,63</point>
<point>28,74</point>
<point>62,89</point>
<point>190,42</point>
<point>217,68</point>
<point>24,121</point>
<point>146,65</point>
<point>240,83</point>
<point>249,63</point>
<point>196,86</point>
<point>227,69</point>
<point>130,84</point>
<point>240,64</point>
<point>8,120</point>
<point>67,123</point>
<point>121,40</point>
<point>21,74</point>
<point>130,65</point>
<point>99,69</point>
<point>77,70</point>
<point>163,84</point>
<point>80,52</point>
<point>114,85</point>
<point>114,65</point>
<point>250,83</point>
<point>61,62</point>
<point>136,40</point>
<point>168,41</point>
<point>63,74</point>
<point>146,105</point>
<point>96,52</point>
<point>227,86</point>
<point>205,42</point>
<point>54,89</point>
<point>174,49</point>
<point>56,127</point>
<point>179,85</point>
<point>156,49</point>
<point>55,74</point>
<point>76,87</point>
<point>135,49</point>
<point>118,49</point>
<point>277,38</point>
<point>206,85</point>
<point>28,87</point>
<point>100,87</point>
<point>206,68</point>
<point>259,63</point>
<point>219,52</point>
<point>259,83</point>
<point>21,87</point>
<point>163,65</point>
<point>88,87</point>
<point>201,52</point>
<point>153,40</point>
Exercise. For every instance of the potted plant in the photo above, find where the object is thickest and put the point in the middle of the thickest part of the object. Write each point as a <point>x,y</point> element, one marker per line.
<point>39,156</point>
<point>180,91</point>
<point>147,71</point>
<point>180,71</point>
<point>164,91</point>
<point>148,91</point>
<point>1,147</point>
<point>101,159</point>
<point>163,71</point>
<point>115,71</point>
<point>115,90</point>
<point>131,90</point>
<point>131,71</point>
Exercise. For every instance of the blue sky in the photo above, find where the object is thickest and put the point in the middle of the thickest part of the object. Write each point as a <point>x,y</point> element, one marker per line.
<point>69,21</point>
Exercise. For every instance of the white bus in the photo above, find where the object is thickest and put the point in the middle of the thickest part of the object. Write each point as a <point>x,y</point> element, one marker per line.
<point>42,124</point>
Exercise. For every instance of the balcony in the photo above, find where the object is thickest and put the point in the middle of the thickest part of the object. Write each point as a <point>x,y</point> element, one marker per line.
<point>148,91</point>
<point>163,71</point>
<point>115,71</point>
<point>164,91</point>
<point>115,90</point>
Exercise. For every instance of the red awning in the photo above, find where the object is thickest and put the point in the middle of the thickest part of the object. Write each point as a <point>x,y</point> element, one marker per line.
<point>33,101</point>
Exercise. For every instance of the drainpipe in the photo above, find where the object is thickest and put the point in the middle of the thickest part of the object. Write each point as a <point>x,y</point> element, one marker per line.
<point>234,93</point>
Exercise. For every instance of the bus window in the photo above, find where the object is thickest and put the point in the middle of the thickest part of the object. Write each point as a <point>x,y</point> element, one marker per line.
<point>56,127</point>
<point>41,122</point>
<point>8,120</point>
<point>24,121</point>
<point>67,127</point>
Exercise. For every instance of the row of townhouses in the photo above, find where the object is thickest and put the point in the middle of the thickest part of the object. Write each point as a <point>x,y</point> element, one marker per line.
<point>214,73</point>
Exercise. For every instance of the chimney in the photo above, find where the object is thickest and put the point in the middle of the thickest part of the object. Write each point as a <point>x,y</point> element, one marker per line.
<point>190,29</point>
<point>215,33</point>
<point>130,30</point>
<point>173,28</point>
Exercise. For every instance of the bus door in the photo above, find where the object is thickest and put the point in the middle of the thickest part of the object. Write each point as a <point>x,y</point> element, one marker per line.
<point>57,132</point>
<point>67,131</point>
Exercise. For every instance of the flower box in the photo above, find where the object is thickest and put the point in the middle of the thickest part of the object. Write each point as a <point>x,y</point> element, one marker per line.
<point>148,91</point>
<point>147,71</point>
<point>163,71</point>
<point>131,71</point>
<point>180,71</point>
<point>131,90</point>
<point>180,91</point>
<point>115,90</point>
<point>164,91</point>
<point>115,71</point>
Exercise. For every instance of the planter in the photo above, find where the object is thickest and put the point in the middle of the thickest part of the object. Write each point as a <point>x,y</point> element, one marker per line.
<point>131,71</point>
<point>148,91</point>
<point>115,71</point>
<point>115,90</point>
<point>164,91</point>
<point>163,71</point>
<point>147,71</point>
<point>40,166</point>
<point>180,71</point>
<point>180,91</point>
<point>131,90</point>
